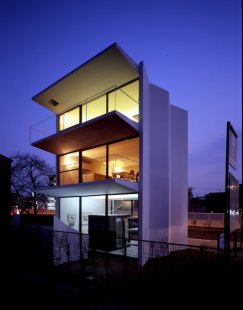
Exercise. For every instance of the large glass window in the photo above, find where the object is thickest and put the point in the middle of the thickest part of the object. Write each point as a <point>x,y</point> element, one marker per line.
<point>69,211</point>
<point>69,118</point>
<point>92,205</point>
<point>107,230</point>
<point>124,160</point>
<point>69,168</point>
<point>125,209</point>
<point>94,164</point>
<point>125,100</point>
<point>123,163</point>
<point>94,108</point>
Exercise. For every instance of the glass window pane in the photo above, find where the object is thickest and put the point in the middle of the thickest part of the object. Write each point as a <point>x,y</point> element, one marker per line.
<point>69,177</point>
<point>69,168</point>
<point>125,208</point>
<point>124,160</point>
<point>69,211</point>
<point>94,164</point>
<point>125,100</point>
<point>94,108</point>
<point>93,205</point>
<point>84,112</point>
<point>69,119</point>
<point>69,161</point>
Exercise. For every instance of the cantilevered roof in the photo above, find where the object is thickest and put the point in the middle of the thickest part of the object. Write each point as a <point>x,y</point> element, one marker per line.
<point>107,128</point>
<point>110,68</point>
<point>109,187</point>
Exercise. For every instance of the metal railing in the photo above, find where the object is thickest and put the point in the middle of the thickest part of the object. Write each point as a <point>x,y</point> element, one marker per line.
<point>74,246</point>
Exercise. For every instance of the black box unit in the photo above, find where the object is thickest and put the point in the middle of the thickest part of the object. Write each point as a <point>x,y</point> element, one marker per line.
<point>105,233</point>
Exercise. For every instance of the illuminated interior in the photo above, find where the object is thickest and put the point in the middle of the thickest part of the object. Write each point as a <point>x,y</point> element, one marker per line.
<point>123,163</point>
<point>123,207</point>
<point>123,99</point>
<point>92,205</point>
<point>94,108</point>
<point>69,168</point>
<point>124,160</point>
<point>69,119</point>
<point>94,164</point>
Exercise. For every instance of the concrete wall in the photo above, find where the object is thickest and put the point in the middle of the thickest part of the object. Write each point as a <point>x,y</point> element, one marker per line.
<point>68,244</point>
<point>144,154</point>
<point>163,167</point>
<point>159,173</point>
<point>178,175</point>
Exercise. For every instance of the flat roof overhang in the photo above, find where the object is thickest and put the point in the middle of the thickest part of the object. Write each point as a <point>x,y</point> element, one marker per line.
<point>109,187</point>
<point>109,69</point>
<point>104,129</point>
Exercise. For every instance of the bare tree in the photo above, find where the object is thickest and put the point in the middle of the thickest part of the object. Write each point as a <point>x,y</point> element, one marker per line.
<point>29,172</point>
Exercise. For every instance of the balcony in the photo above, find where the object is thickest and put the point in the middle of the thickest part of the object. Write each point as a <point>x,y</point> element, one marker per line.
<point>103,118</point>
<point>110,187</point>
<point>107,128</point>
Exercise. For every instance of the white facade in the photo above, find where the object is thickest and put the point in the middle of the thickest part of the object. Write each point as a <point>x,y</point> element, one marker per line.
<point>165,170</point>
<point>160,130</point>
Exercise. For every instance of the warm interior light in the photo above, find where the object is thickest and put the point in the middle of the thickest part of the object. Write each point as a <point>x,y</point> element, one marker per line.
<point>118,165</point>
<point>118,169</point>
<point>68,121</point>
<point>70,160</point>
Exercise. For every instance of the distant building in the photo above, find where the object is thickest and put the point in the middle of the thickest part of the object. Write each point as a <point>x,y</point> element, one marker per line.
<point>241,197</point>
<point>121,151</point>
<point>211,202</point>
<point>216,202</point>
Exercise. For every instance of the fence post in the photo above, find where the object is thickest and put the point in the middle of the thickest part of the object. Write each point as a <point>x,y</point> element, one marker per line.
<point>124,246</point>
<point>202,253</point>
<point>235,243</point>
<point>152,249</point>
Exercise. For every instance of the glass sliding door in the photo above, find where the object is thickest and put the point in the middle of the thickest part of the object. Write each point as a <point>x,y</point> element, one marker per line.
<point>92,205</point>
<point>94,164</point>
<point>124,208</point>
<point>124,160</point>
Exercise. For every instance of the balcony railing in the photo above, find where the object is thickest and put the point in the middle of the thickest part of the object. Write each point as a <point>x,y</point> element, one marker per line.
<point>42,129</point>
<point>118,100</point>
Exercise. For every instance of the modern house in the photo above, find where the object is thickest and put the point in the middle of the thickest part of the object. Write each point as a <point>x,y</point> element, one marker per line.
<point>121,153</point>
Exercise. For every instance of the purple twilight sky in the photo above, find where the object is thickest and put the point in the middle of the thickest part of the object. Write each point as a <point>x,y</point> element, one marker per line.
<point>192,48</point>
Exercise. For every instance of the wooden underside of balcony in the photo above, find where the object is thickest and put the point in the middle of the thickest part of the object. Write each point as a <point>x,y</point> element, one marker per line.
<point>104,129</point>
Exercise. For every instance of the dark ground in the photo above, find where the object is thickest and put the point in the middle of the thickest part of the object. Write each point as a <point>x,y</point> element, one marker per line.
<point>111,283</point>
<point>186,278</point>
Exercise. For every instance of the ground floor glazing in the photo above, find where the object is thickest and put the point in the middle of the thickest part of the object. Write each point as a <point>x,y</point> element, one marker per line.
<point>109,220</point>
